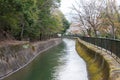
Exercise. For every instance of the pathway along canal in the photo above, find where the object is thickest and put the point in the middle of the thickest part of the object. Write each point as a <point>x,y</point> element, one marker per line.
<point>59,63</point>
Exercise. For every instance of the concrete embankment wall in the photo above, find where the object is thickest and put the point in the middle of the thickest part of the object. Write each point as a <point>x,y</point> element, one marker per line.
<point>15,57</point>
<point>100,65</point>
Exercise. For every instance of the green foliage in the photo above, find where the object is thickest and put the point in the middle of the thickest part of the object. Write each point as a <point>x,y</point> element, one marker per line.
<point>61,21</point>
<point>29,18</point>
<point>66,25</point>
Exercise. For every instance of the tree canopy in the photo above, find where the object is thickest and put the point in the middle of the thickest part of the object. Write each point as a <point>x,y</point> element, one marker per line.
<point>29,18</point>
<point>102,17</point>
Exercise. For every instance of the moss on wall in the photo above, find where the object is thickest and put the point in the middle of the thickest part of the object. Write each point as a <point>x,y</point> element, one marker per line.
<point>98,68</point>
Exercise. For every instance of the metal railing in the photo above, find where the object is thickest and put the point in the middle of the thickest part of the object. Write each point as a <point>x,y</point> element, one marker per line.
<point>113,46</point>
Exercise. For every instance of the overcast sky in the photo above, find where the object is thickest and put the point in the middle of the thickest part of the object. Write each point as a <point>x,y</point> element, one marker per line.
<point>65,7</point>
<point>67,4</point>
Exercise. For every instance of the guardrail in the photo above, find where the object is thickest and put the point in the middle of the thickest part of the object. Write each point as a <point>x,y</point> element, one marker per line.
<point>109,44</point>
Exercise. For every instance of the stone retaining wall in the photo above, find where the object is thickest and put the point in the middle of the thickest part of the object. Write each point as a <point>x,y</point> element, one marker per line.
<point>100,64</point>
<point>15,57</point>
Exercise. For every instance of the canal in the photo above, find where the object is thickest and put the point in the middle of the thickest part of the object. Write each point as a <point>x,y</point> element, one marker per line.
<point>59,63</point>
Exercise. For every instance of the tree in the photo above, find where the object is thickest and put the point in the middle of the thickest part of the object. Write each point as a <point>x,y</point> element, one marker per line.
<point>88,14</point>
<point>111,17</point>
<point>29,19</point>
<point>61,21</point>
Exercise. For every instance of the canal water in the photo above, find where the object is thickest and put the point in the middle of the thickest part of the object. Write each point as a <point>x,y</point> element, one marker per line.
<point>59,63</point>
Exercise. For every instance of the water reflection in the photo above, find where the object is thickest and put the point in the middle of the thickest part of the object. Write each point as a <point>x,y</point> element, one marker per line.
<point>60,63</point>
<point>74,67</point>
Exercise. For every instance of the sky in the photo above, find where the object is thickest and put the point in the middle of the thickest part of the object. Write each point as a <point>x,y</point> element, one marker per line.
<point>66,8</point>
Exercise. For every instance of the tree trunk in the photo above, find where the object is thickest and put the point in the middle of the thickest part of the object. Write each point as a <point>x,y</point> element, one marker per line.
<point>89,32</point>
<point>95,33</point>
<point>22,31</point>
<point>113,32</point>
